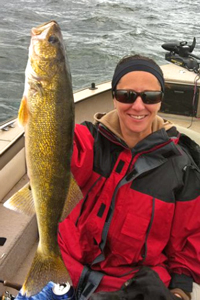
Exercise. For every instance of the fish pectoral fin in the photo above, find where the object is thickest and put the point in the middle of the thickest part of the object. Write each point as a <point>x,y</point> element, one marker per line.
<point>22,201</point>
<point>74,195</point>
<point>23,113</point>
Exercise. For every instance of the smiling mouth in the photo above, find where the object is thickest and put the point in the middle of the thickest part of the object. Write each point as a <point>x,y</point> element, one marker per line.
<point>137,117</point>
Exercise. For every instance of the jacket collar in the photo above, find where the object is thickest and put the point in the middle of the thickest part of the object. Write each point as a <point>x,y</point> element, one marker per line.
<point>162,130</point>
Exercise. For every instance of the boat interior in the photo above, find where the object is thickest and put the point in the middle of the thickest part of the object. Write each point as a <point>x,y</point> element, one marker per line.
<point>19,232</point>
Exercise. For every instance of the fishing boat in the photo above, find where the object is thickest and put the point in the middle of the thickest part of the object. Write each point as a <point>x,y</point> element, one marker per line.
<point>18,237</point>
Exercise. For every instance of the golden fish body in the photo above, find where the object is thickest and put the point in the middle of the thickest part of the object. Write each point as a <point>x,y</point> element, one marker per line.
<point>47,112</point>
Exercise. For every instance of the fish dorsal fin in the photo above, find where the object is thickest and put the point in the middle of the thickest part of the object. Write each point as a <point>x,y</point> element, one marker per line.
<point>23,113</point>
<point>22,201</point>
<point>73,197</point>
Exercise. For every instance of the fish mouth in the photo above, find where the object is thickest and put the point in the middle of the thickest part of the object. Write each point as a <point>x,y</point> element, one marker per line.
<point>47,41</point>
<point>39,29</point>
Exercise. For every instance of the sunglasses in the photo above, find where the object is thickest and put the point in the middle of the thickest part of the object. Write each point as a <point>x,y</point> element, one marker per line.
<point>129,96</point>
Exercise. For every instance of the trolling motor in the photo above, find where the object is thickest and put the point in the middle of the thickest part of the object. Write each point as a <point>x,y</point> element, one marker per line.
<point>180,54</point>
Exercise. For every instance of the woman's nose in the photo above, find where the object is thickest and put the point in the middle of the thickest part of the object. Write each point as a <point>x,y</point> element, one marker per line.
<point>138,104</point>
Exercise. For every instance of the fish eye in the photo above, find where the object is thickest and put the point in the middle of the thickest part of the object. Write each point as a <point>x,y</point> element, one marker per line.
<point>53,39</point>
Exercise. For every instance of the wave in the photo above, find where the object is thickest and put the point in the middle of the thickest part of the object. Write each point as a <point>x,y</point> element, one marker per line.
<point>97,33</point>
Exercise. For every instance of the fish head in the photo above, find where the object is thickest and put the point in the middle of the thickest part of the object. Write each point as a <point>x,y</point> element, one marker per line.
<point>47,70</point>
<point>47,41</point>
<point>46,51</point>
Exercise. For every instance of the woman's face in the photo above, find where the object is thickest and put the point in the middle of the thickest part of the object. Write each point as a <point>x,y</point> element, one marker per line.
<point>137,118</point>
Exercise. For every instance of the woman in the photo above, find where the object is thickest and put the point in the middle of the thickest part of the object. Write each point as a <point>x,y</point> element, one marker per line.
<point>141,192</point>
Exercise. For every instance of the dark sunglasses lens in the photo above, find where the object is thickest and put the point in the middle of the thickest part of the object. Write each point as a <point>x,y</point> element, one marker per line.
<point>152,97</point>
<point>124,96</point>
<point>128,96</point>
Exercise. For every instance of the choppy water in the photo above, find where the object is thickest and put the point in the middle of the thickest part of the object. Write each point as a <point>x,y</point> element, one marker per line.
<point>97,34</point>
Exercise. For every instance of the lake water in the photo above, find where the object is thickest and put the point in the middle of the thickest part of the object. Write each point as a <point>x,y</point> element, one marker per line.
<point>97,33</point>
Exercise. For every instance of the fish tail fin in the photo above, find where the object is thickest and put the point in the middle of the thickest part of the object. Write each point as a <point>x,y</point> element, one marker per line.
<point>22,201</point>
<point>44,268</point>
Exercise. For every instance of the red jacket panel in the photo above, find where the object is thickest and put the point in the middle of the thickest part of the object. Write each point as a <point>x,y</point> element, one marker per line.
<point>152,195</point>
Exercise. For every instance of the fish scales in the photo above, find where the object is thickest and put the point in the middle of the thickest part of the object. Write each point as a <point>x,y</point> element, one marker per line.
<point>47,112</point>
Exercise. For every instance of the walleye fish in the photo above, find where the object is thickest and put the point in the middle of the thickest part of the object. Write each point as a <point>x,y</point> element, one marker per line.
<point>47,112</point>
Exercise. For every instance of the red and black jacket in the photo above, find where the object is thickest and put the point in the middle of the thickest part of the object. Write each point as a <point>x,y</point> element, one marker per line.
<point>140,207</point>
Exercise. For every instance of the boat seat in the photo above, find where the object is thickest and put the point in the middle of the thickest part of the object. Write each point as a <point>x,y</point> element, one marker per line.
<point>194,135</point>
